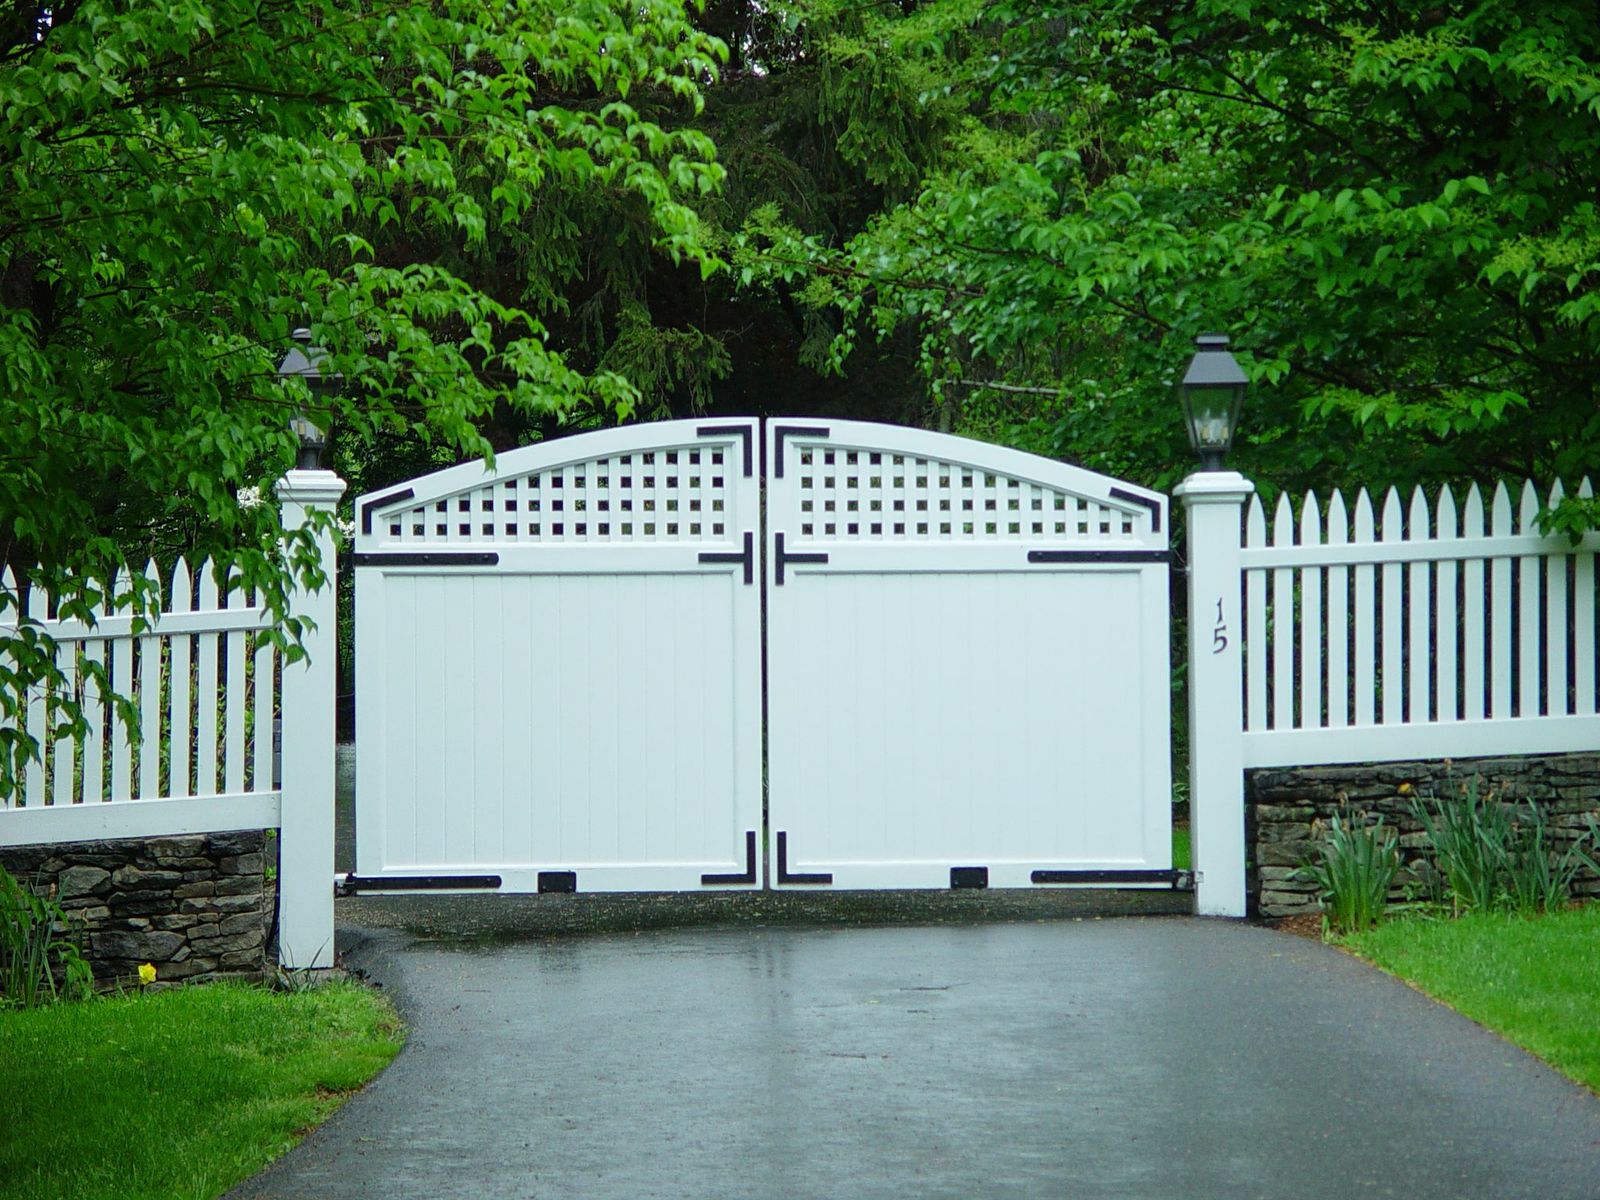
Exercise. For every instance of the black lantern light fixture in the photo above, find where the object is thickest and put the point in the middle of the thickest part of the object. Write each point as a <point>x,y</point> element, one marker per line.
<point>305,361</point>
<point>1213,389</point>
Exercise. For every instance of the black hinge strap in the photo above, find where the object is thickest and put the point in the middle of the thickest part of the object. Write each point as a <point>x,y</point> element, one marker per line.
<point>353,883</point>
<point>401,558</point>
<point>781,557</point>
<point>1099,556</point>
<point>742,431</point>
<point>779,432</point>
<point>748,557</point>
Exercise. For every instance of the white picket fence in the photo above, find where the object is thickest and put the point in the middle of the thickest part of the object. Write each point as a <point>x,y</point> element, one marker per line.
<point>203,680</point>
<point>214,701</point>
<point>1424,631</point>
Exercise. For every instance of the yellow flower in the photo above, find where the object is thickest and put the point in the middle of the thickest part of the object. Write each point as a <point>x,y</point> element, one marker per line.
<point>1404,789</point>
<point>147,974</point>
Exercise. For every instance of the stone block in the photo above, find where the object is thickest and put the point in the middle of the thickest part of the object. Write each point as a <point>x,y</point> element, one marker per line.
<point>243,922</point>
<point>241,864</point>
<point>238,885</point>
<point>223,945</point>
<point>81,881</point>
<point>243,958</point>
<point>219,904</point>
<point>134,879</point>
<point>147,946</point>
<point>202,887</point>
<point>175,921</point>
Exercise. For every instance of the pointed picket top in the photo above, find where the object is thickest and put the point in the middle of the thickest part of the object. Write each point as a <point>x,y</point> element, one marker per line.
<point>1392,523</point>
<point>182,588</point>
<point>8,582</point>
<point>208,586</point>
<point>1529,508</point>
<point>1364,523</point>
<point>1255,523</point>
<point>1500,510</point>
<point>1338,521</point>
<point>1585,489</point>
<point>1557,493</point>
<point>1472,513</point>
<point>1310,521</point>
<point>116,588</point>
<point>37,606</point>
<point>1283,522</point>
<point>232,590</point>
<point>1446,527</point>
<point>1418,526</point>
<point>152,577</point>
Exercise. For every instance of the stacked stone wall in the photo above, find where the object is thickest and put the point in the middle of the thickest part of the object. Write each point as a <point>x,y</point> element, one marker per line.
<point>196,907</point>
<point>1287,808</point>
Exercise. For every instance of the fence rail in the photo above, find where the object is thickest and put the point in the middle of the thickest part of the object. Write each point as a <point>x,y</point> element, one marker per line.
<point>1421,631</point>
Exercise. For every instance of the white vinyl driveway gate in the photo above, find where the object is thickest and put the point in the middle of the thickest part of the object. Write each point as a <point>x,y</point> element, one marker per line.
<point>561,672</point>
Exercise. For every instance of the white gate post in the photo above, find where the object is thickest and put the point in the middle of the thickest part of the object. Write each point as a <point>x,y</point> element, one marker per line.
<point>305,837</point>
<point>1213,501</point>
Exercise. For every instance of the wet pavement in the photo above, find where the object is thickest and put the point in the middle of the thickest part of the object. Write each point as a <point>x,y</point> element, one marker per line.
<point>1132,1057</point>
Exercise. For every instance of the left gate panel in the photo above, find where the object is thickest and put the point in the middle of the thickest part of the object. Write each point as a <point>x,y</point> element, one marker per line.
<point>558,667</point>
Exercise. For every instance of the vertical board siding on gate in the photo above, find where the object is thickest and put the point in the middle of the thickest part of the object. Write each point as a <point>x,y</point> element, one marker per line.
<point>1439,630</point>
<point>938,700</point>
<point>199,678</point>
<point>587,702</point>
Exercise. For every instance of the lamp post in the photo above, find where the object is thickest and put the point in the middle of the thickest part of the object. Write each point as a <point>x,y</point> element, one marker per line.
<point>1213,498</point>
<point>305,361</point>
<point>1213,389</point>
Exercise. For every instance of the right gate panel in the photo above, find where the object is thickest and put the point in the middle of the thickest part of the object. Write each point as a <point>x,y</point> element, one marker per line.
<point>967,663</point>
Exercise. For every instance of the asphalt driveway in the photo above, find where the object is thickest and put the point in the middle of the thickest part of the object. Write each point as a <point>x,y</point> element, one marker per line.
<point>1137,1057</point>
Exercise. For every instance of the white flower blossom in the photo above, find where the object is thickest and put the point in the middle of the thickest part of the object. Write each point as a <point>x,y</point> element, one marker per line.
<point>249,497</point>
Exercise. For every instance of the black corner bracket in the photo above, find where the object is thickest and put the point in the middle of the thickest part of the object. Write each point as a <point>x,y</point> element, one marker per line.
<point>783,866</point>
<point>1154,506</point>
<point>383,501</point>
<point>749,875</point>
<point>779,432</point>
<point>748,557</point>
<point>782,558</point>
<point>743,432</point>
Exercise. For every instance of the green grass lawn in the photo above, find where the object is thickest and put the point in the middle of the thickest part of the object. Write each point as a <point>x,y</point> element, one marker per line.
<point>1534,980</point>
<point>180,1093</point>
<point>1180,848</point>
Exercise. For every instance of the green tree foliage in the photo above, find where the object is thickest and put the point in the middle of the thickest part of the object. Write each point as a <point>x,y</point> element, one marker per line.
<point>1390,207</point>
<point>187,181</point>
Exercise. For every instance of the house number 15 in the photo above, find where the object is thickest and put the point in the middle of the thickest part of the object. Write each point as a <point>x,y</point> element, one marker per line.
<point>1219,635</point>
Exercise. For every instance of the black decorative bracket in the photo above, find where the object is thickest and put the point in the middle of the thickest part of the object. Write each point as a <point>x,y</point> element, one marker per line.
<point>353,883</point>
<point>748,558</point>
<point>1099,556</point>
<point>781,558</point>
<point>743,432</point>
<point>749,875</point>
<point>1154,506</point>
<point>368,507</point>
<point>431,558</point>
<point>779,432</point>
<point>783,866</point>
<point>1177,880</point>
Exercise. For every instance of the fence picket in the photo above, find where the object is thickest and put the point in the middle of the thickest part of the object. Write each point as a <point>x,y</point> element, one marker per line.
<point>1473,653</point>
<point>1392,616</point>
<point>1256,637</point>
<point>33,793</point>
<point>1419,616</point>
<point>1557,631</point>
<point>1310,715</point>
<point>233,663</point>
<point>119,730</point>
<point>1500,625</point>
<point>1529,571</point>
<point>93,707</point>
<point>1446,630</point>
<point>262,713</point>
<point>1583,640</point>
<point>180,650</point>
<point>64,750</point>
<point>1338,619</point>
<point>150,707</point>
<point>1366,647</point>
<point>206,690</point>
<point>1283,621</point>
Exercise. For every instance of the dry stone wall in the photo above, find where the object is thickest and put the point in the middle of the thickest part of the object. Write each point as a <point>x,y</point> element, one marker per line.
<point>1287,807</point>
<point>196,907</point>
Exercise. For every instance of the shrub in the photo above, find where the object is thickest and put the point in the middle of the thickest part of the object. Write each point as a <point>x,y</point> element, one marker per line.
<point>40,959</point>
<point>1471,839</point>
<point>1353,870</point>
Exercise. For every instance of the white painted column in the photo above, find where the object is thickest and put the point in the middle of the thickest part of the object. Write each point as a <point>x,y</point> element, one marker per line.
<point>305,838</point>
<point>1213,502</point>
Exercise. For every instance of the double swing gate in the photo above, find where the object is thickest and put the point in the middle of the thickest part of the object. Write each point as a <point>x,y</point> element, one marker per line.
<point>703,655</point>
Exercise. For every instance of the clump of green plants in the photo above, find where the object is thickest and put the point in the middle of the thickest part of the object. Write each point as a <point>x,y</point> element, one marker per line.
<point>1353,868</point>
<point>1497,856</point>
<point>40,959</point>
